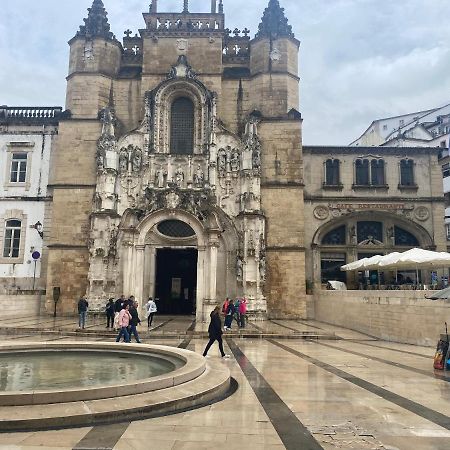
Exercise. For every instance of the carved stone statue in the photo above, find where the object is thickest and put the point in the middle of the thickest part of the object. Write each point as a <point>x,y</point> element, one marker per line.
<point>113,235</point>
<point>222,161</point>
<point>101,157</point>
<point>239,268</point>
<point>235,160</point>
<point>123,161</point>
<point>199,177</point>
<point>108,119</point>
<point>179,177</point>
<point>256,157</point>
<point>160,177</point>
<point>136,161</point>
<point>262,267</point>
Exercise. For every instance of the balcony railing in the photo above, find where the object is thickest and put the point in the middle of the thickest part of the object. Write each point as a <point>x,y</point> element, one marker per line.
<point>30,113</point>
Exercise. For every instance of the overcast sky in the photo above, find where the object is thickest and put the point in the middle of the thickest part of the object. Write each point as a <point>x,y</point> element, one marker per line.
<point>359,59</point>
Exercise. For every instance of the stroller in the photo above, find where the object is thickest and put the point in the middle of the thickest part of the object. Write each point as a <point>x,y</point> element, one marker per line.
<point>441,355</point>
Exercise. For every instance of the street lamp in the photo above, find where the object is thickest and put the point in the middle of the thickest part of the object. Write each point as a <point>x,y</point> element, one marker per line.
<point>38,227</point>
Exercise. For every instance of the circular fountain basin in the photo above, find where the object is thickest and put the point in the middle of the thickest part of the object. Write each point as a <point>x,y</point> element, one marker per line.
<point>52,372</point>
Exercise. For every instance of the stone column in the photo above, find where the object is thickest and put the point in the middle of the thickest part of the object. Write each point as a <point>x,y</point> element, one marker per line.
<point>127,269</point>
<point>138,291</point>
<point>202,283</point>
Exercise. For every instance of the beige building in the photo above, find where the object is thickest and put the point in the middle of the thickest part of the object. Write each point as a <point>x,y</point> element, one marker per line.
<point>175,172</point>
<point>360,202</point>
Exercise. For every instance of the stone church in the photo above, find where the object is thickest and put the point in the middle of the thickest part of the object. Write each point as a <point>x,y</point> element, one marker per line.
<point>178,173</point>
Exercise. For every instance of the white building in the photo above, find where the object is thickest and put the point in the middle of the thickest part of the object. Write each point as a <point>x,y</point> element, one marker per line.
<point>430,128</point>
<point>26,139</point>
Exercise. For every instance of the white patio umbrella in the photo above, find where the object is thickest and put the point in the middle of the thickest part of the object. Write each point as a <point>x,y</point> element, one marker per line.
<point>362,264</point>
<point>416,258</point>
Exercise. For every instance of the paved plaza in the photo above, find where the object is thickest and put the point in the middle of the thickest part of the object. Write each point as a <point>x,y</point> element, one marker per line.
<point>332,389</point>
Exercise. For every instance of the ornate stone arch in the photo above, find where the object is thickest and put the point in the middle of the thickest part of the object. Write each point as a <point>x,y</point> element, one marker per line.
<point>162,99</point>
<point>417,230</point>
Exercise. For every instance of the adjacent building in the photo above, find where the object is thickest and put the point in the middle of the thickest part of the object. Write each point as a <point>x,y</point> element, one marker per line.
<point>364,201</point>
<point>27,137</point>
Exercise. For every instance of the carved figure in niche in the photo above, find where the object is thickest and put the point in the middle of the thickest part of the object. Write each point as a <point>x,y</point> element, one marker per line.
<point>179,176</point>
<point>101,157</point>
<point>239,268</point>
<point>199,176</point>
<point>222,161</point>
<point>136,161</point>
<point>390,234</point>
<point>251,129</point>
<point>123,161</point>
<point>262,267</point>
<point>108,119</point>
<point>160,177</point>
<point>352,234</point>
<point>235,160</point>
<point>113,235</point>
<point>256,157</point>
<point>172,200</point>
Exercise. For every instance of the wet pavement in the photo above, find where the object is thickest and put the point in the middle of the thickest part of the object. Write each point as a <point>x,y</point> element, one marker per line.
<point>353,393</point>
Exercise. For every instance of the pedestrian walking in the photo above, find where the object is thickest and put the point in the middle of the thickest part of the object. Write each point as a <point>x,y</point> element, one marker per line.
<point>215,332</point>
<point>243,312</point>
<point>237,316</point>
<point>83,306</point>
<point>134,322</point>
<point>225,306</point>
<point>124,321</point>
<point>151,311</point>
<point>110,312</point>
<point>229,316</point>
<point>118,306</point>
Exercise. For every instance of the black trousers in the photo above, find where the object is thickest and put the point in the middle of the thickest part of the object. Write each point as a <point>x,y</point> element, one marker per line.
<point>211,342</point>
<point>150,319</point>
<point>109,320</point>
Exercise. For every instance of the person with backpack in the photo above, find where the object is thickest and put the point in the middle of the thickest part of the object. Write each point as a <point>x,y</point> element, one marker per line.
<point>110,312</point>
<point>151,311</point>
<point>229,316</point>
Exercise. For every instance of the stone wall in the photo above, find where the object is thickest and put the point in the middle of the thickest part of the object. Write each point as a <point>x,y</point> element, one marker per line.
<point>398,316</point>
<point>19,304</point>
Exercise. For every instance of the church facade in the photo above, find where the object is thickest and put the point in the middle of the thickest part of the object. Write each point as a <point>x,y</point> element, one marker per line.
<point>178,174</point>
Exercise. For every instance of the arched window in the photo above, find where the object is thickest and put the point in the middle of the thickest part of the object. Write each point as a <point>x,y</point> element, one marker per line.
<point>182,126</point>
<point>405,238</point>
<point>362,172</point>
<point>377,172</point>
<point>332,176</point>
<point>335,237</point>
<point>407,172</point>
<point>370,233</point>
<point>11,245</point>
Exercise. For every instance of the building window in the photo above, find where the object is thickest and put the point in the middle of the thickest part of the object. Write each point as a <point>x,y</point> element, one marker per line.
<point>370,233</point>
<point>11,247</point>
<point>405,238</point>
<point>182,127</point>
<point>335,237</point>
<point>447,229</point>
<point>377,172</point>
<point>362,172</point>
<point>331,264</point>
<point>407,172</point>
<point>446,170</point>
<point>19,168</point>
<point>332,176</point>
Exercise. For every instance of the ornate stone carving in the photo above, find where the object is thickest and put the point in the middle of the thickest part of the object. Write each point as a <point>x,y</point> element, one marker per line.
<point>235,160</point>
<point>160,177</point>
<point>222,161</point>
<point>199,177</point>
<point>136,161</point>
<point>321,212</point>
<point>179,177</point>
<point>239,268</point>
<point>107,141</point>
<point>422,213</point>
<point>123,161</point>
<point>262,266</point>
<point>182,69</point>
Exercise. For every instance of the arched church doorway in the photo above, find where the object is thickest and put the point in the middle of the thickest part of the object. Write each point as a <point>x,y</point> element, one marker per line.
<point>176,280</point>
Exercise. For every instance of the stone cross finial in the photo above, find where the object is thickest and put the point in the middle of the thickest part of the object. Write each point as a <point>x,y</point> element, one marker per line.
<point>246,31</point>
<point>236,32</point>
<point>185,6</point>
<point>128,33</point>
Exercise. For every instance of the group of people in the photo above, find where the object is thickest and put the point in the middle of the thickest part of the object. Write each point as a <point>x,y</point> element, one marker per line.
<point>236,310</point>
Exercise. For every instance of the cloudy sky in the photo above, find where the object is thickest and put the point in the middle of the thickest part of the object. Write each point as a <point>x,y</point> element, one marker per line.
<point>359,59</point>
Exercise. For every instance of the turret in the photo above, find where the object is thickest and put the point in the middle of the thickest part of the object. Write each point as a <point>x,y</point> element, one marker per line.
<point>274,51</point>
<point>95,56</point>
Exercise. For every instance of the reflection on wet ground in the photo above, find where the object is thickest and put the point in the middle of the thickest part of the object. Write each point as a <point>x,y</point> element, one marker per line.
<point>355,393</point>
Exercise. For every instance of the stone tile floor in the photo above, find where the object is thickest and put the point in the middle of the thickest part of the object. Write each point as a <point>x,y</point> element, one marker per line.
<point>354,393</point>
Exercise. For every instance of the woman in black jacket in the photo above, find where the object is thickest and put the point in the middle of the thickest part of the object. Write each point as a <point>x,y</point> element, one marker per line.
<point>215,332</point>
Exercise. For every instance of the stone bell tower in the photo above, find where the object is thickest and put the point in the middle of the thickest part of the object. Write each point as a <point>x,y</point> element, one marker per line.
<point>183,139</point>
